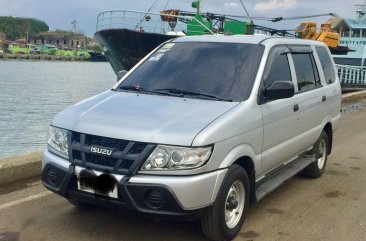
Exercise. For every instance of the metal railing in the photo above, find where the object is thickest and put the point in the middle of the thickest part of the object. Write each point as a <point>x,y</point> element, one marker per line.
<point>143,21</point>
<point>351,75</point>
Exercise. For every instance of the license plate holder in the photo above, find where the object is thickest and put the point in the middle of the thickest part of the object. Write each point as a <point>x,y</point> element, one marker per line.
<point>99,183</point>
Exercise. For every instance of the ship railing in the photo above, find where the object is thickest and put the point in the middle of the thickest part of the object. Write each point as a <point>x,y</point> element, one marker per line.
<point>145,22</point>
<point>351,75</point>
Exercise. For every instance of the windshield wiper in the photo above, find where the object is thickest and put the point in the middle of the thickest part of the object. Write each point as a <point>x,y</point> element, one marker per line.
<point>144,90</point>
<point>184,93</point>
<point>132,87</point>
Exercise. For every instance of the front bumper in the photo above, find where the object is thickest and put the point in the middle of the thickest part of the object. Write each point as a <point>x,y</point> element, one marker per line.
<point>178,195</point>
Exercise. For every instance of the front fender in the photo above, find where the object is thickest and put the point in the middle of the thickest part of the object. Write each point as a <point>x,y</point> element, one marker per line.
<point>243,150</point>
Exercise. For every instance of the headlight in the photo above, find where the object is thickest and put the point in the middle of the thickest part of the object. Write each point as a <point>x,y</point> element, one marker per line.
<point>171,157</point>
<point>57,140</point>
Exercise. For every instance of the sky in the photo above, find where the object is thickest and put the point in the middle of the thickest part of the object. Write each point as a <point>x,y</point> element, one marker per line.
<point>59,14</point>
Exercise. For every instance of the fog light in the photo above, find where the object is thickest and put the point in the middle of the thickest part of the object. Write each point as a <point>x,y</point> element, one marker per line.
<point>154,199</point>
<point>53,177</point>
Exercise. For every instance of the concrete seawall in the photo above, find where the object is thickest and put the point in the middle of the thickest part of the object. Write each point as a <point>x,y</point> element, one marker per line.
<point>26,166</point>
<point>21,167</point>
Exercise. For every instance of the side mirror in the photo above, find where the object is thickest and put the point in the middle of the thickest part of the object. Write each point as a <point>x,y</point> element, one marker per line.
<point>121,73</point>
<point>279,90</point>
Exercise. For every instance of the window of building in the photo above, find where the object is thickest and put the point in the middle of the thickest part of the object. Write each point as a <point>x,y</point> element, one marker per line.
<point>65,41</point>
<point>35,41</point>
<point>277,68</point>
<point>72,42</point>
<point>327,65</point>
<point>50,41</point>
<point>57,41</point>
<point>355,33</point>
<point>306,71</point>
<point>43,41</point>
<point>346,34</point>
<point>77,43</point>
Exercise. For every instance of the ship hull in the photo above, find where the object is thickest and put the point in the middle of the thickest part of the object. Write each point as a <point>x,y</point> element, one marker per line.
<point>357,46</point>
<point>124,48</point>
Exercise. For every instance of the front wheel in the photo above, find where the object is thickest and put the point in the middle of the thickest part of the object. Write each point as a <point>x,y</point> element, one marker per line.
<point>320,149</point>
<point>226,217</point>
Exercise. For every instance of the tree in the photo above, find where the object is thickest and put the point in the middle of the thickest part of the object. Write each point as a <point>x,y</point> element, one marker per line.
<point>19,27</point>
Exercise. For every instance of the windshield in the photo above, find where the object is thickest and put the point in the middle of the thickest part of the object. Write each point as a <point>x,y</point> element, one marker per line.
<point>301,26</point>
<point>222,70</point>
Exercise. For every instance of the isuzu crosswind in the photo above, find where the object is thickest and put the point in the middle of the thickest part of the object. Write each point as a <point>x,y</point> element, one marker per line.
<point>202,126</point>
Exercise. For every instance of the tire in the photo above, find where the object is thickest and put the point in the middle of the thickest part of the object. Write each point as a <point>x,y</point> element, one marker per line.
<point>81,205</point>
<point>320,149</point>
<point>214,224</point>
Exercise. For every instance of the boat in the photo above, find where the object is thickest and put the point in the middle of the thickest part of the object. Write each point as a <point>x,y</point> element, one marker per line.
<point>127,36</point>
<point>123,48</point>
<point>96,56</point>
<point>353,36</point>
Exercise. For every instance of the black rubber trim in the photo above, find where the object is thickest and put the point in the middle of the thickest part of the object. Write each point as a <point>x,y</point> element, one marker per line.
<point>141,159</point>
<point>61,190</point>
<point>69,141</point>
<point>172,201</point>
<point>300,49</point>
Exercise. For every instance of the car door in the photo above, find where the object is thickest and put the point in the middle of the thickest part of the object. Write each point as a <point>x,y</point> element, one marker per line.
<point>280,117</point>
<point>331,87</point>
<point>311,94</point>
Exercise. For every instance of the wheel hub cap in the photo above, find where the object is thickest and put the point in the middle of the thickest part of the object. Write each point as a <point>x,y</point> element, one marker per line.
<point>231,204</point>
<point>322,153</point>
<point>234,206</point>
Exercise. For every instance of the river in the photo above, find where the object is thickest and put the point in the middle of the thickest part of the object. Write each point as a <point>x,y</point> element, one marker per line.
<point>32,92</point>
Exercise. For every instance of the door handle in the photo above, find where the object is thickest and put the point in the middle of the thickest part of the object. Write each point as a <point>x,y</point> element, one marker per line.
<point>324,98</point>
<point>296,107</point>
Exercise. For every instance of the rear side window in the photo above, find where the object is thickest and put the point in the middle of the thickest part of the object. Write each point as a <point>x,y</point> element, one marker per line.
<point>277,68</point>
<point>327,64</point>
<point>306,71</point>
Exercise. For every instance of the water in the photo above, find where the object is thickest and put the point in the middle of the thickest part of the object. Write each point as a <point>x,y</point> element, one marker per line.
<point>32,92</point>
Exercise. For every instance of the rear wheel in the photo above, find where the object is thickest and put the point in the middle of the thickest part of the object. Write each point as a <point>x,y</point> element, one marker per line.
<point>226,217</point>
<point>320,149</point>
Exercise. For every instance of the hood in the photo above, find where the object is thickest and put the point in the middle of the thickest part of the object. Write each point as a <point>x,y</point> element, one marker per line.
<point>142,117</point>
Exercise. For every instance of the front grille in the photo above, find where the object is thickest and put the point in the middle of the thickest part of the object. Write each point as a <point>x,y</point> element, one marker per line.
<point>101,160</point>
<point>125,158</point>
<point>105,142</point>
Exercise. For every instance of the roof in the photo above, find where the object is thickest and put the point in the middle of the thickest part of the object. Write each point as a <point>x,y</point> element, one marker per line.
<point>56,33</point>
<point>250,39</point>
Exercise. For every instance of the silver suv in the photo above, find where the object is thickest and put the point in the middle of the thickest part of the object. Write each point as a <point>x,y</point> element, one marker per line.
<point>201,127</point>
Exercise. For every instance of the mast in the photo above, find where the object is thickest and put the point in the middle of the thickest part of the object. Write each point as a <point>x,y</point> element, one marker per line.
<point>361,12</point>
<point>197,5</point>
<point>246,11</point>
